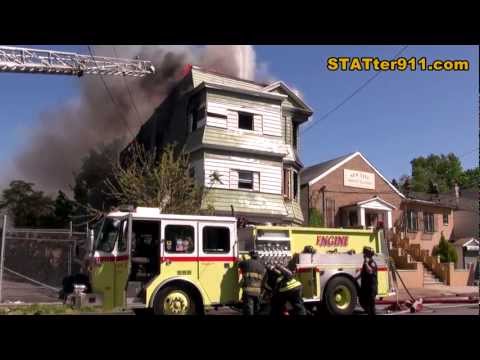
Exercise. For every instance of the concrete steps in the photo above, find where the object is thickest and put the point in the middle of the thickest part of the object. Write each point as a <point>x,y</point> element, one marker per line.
<point>430,278</point>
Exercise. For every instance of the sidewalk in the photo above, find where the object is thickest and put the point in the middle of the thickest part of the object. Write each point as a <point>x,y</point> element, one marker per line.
<point>434,291</point>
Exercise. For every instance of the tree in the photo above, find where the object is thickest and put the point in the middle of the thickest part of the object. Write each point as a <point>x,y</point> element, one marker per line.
<point>150,179</point>
<point>90,187</point>
<point>470,178</point>
<point>445,250</point>
<point>29,208</point>
<point>441,171</point>
<point>64,208</point>
<point>315,218</point>
<point>395,183</point>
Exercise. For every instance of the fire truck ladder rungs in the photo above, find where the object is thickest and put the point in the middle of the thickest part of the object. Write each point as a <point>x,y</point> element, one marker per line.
<point>22,60</point>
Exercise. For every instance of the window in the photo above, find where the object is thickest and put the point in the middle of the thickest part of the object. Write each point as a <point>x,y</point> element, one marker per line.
<point>295,185</point>
<point>286,183</point>
<point>245,121</point>
<point>122,237</point>
<point>216,240</point>
<point>353,218</point>
<point>428,222</point>
<point>445,218</point>
<point>179,239</point>
<point>245,180</point>
<point>294,135</point>
<point>197,116</point>
<point>285,129</point>
<point>412,221</point>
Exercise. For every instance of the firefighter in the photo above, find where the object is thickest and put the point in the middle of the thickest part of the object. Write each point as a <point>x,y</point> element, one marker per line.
<point>252,272</point>
<point>284,288</point>
<point>369,282</point>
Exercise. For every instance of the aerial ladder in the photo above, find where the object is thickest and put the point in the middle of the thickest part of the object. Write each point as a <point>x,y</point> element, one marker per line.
<point>38,61</point>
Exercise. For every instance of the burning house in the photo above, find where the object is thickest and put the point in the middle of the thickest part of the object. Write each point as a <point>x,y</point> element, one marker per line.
<point>242,138</point>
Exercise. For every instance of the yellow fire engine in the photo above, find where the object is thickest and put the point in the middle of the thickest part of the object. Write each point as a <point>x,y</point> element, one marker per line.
<point>183,264</point>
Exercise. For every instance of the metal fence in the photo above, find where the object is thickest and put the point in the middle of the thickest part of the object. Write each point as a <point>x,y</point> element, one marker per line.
<point>33,262</point>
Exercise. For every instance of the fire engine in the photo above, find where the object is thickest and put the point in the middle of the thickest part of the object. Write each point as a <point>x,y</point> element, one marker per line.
<point>186,264</point>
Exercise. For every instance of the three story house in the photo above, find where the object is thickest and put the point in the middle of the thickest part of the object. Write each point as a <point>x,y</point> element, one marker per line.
<point>243,140</point>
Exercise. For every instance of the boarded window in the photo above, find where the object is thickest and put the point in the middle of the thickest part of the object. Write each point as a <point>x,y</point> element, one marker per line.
<point>216,240</point>
<point>245,180</point>
<point>245,121</point>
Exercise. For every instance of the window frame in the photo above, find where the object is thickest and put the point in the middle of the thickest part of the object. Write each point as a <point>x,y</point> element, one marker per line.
<point>295,187</point>
<point>409,228</point>
<point>426,222</point>
<point>252,180</point>
<point>205,251</point>
<point>166,251</point>
<point>445,215</point>
<point>244,113</point>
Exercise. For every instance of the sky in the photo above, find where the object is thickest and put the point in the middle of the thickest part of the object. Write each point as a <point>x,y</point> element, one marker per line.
<point>398,116</point>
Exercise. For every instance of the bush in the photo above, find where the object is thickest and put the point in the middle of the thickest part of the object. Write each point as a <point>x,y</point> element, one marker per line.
<point>315,219</point>
<point>445,250</point>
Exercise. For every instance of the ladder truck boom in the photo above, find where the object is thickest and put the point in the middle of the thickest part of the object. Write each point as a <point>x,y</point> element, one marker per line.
<point>37,61</point>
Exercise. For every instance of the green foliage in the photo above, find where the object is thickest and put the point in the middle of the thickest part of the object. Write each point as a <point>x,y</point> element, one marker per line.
<point>470,178</point>
<point>315,218</point>
<point>446,251</point>
<point>31,208</point>
<point>152,180</point>
<point>440,170</point>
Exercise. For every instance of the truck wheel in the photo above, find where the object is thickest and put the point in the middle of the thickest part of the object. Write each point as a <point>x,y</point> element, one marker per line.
<point>340,296</point>
<point>175,300</point>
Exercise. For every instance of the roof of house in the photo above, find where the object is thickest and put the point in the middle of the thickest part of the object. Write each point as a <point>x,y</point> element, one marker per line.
<point>314,173</point>
<point>466,241</point>
<point>431,199</point>
<point>311,172</point>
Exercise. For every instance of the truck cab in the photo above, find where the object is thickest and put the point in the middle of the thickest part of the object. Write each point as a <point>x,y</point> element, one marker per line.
<point>171,263</point>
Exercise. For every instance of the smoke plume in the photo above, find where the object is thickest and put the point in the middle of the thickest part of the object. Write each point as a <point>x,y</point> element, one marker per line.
<point>65,135</point>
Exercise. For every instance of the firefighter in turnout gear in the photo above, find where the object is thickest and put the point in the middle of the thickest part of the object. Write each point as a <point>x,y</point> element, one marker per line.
<point>369,282</point>
<point>284,288</point>
<point>252,272</point>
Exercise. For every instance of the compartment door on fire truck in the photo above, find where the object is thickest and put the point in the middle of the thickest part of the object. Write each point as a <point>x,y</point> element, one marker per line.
<point>179,249</point>
<point>121,263</point>
<point>103,271</point>
<point>217,266</point>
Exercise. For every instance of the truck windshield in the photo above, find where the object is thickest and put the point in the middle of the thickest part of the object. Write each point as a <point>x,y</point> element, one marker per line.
<point>107,235</point>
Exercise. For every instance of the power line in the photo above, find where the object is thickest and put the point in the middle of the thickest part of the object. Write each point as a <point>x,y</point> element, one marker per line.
<point>129,93</point>
<point>467,153</point>
<point>352,94</point>
<point>109,93</point>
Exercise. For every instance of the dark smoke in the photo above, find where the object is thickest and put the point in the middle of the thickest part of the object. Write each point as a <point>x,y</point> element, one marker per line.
<point>65,135</point>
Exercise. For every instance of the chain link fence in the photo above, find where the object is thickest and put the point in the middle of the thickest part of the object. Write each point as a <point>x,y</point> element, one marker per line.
<point>33,262</point>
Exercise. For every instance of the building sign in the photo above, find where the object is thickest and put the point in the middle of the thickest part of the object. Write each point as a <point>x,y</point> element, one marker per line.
<point>329,240</point>
<point>358,179</point>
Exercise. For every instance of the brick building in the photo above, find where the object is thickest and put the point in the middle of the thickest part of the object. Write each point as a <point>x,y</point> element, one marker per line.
<point>350,192</point>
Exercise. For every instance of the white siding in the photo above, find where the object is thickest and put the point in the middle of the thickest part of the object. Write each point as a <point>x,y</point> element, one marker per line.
<point>268,114</point>
<point>267,180</point>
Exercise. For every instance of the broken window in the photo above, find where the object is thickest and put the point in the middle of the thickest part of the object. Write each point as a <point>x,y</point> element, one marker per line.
<point>245,121</point>
<point>245,180</point>
<point>197,116</point>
